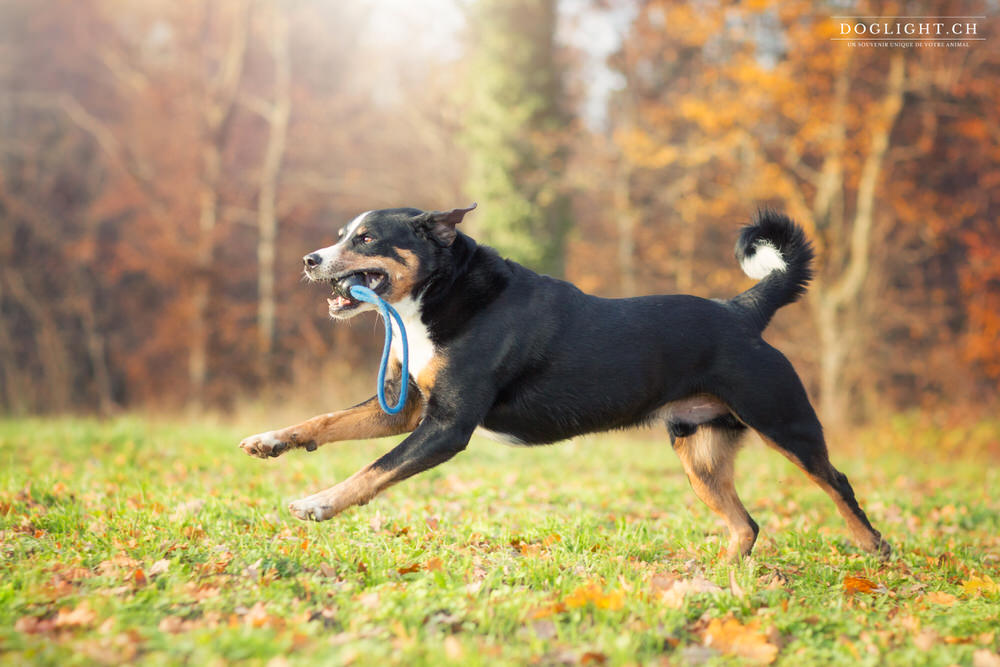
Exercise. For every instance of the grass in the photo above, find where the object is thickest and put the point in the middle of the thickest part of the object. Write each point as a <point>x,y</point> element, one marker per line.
<point>162,543</point>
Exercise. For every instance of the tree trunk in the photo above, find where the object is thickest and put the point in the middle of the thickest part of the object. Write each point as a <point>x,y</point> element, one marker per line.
<point>217,115</point>
<point>835,302</point>
<point>267,223</point>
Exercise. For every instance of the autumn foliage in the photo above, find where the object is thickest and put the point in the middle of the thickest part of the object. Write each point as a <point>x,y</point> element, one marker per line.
<point>164,166</point>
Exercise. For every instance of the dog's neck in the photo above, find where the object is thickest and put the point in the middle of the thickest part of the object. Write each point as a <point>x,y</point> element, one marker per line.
<point>472,278</point>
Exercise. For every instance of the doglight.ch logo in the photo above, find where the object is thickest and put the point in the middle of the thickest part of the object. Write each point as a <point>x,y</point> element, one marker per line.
<point>908,31</point>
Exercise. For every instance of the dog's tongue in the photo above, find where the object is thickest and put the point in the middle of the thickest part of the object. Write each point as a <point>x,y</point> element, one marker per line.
<point>339,302</point>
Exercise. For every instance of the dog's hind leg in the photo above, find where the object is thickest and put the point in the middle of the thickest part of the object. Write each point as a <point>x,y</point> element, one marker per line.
<point>777,407</point>
<point>707,453</point>
<point>810,454</point>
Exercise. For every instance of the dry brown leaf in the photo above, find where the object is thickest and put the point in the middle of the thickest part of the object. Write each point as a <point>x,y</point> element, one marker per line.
<point>453,648</point>
<point>407,569</point>
<point>159,567</point>
<point>985,658</point>
<point>33,625</point>
<point>257,616</point>
<point>139,577</point>
<point>593,658</point>
<point>433,565</point>
<point>171,624</point>
<point>941,598</point>
<point>746,641</point>
<point>674,596</point>
<point>79,616</point>
<point>925,640</point>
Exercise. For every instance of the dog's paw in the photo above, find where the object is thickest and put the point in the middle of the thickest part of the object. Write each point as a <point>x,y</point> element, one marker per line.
<point>265,445</point>
<point>883,551</point>
<point>313,508</point>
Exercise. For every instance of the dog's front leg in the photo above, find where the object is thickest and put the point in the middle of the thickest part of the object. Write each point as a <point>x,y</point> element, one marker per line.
<point>430,444</point>
<point>366,420</point>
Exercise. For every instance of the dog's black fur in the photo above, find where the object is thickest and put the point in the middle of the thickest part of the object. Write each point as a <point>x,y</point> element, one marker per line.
<point>534,360</point>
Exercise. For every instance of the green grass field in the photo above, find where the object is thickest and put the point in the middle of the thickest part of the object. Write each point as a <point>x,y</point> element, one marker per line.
<point>158,543</point>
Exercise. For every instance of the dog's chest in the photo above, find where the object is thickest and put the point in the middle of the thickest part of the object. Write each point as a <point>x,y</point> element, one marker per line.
<point>421,349</point>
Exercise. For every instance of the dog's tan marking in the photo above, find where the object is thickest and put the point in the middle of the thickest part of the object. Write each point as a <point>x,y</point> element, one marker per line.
<point>363,421</point>
<point>403,274</point>
<point>429,374</point>
<point>358,489</point>
<point>863,536</point>
<point>708,455</point>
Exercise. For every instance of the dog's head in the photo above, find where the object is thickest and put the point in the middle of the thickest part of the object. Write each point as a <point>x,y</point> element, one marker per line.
<point>392,252</point>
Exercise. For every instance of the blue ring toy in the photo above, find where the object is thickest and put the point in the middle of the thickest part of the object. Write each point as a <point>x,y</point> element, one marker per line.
<point>362,293</point>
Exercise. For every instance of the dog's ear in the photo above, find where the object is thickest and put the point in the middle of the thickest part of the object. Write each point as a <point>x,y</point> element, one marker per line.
<point>441,224</point>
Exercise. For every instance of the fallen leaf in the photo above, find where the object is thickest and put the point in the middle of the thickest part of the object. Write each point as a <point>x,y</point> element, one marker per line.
<point>453,648</point>
<point>734,587</point>
<point>854,585</point>
<point>985,658</point>
<point>593,658</point>
<point>79,616</point>
<point>139,577</point>
<point>159,567</point>
<point>544,630</point>
<point>983,585</point>
<point>407,569</point>
<point>941,598</point>
<point>925,640</point>
<point>547,610</point>
<point>33,625</point>
<point>592,593</point>
<point>257,616</point>
<point>433,565</point>
<point>746,641</point>
<point>674,596</point>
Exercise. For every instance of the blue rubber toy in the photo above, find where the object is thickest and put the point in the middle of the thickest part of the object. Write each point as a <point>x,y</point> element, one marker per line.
<point>362,293</point>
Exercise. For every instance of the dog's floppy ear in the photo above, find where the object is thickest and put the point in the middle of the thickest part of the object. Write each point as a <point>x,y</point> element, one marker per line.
<point>441,224</point>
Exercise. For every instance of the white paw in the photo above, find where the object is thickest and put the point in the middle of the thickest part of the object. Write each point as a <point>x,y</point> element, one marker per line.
<point>313,508</point>
<point>265,445</point>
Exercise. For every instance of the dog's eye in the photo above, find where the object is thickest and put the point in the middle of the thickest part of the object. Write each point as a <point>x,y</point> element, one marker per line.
<point>365,239</point>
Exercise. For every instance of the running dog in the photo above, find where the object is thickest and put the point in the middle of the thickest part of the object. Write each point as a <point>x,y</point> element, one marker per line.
<point>528,359</point>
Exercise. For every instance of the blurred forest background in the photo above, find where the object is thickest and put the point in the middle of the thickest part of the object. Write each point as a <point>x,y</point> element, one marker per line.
<point>164,166</point>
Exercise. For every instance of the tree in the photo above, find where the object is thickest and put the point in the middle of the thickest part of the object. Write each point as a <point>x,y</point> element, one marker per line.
<point>515,130</point>
<point>742,104</point>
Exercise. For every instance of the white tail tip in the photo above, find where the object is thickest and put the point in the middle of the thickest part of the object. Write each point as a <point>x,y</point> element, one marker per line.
<point>765,259</point>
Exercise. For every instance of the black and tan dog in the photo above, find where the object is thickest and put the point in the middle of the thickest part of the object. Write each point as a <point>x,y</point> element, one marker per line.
<point>528,359</point>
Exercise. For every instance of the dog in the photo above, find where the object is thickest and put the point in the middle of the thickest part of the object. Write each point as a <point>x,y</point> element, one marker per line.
<point>528,359</point>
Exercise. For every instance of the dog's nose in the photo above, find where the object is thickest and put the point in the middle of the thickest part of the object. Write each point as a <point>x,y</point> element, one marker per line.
<point>312,259</point>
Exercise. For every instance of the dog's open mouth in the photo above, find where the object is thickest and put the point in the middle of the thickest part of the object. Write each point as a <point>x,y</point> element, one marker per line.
<point>376,280</point>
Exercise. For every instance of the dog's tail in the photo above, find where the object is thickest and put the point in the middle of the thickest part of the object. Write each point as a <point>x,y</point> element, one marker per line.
<point>774,250</point>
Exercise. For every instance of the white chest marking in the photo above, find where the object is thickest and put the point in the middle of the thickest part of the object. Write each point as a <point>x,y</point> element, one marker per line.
<point>421,349</point>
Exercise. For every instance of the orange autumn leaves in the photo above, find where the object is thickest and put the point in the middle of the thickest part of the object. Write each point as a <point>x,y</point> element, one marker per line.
<point>750,641</point>
<point>975,585</point>
<point>592,594</point>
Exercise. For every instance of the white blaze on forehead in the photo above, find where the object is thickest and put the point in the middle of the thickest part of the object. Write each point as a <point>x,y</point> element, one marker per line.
<point>329,254</point>
<point>353,225</point>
